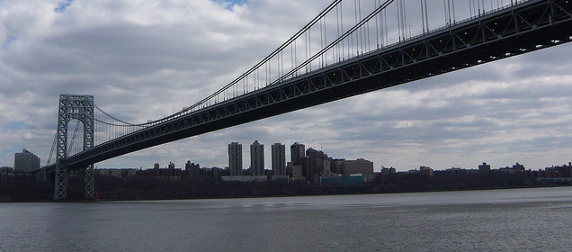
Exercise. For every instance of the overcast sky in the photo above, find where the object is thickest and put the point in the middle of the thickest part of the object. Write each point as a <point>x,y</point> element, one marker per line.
<point>146,59</point>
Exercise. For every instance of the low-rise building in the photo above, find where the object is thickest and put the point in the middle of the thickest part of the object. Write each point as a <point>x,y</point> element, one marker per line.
<point>484,168</point>
<point>118,173</point>
<point>359,166</point>
<point>426,170</point>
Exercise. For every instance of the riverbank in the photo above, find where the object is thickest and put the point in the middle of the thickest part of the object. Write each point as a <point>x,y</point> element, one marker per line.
<point>136,188</point>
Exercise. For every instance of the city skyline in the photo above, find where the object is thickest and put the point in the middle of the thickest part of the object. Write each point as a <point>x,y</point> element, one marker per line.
<point>143,61</point>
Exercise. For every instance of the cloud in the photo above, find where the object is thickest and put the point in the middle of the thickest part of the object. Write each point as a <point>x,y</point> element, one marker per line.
<point>143,60</point>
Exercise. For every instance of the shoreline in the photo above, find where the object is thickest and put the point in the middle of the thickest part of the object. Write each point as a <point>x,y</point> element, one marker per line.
<point>263,190</point>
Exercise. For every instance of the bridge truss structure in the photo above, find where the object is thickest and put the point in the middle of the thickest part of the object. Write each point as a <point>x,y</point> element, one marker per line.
<point>78,107</point>
<point>510,30</point>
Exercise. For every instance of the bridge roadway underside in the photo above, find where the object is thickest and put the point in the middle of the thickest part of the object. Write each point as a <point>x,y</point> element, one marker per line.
<point>524,28</point>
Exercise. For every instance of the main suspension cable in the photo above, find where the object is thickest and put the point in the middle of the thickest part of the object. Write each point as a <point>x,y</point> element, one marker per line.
<point>335,42</point>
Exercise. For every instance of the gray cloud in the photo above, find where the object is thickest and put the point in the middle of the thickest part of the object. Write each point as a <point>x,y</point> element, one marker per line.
<point>143,60</point>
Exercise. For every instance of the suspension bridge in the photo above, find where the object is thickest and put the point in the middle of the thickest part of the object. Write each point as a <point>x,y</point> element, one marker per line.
<point>350,48</point>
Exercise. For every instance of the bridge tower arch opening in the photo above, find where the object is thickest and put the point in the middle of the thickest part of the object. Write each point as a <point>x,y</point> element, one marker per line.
<point>80,108</point>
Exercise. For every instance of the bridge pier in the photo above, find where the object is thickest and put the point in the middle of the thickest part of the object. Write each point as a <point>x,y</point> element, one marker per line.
<point>81,108</point>
<point>61,181</point>
<point>89,183</point>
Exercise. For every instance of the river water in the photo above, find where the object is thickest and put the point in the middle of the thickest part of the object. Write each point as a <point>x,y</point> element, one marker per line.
<point>494,220</point>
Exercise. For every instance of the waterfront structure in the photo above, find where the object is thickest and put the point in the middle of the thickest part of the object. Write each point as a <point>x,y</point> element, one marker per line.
<point>192,169</point>
<point>426,170</point>
<point>563,171</point>
<point>386,171</point>
<point>515,169</point>
<point>337,165</point>
<point>316,164</point>
<point>484,168</point>
<point>359,166</point>
<point>257,158</point>
<point>171,169</point>
<point>156,169</point>
<point>235,159</point>
<point>297,153</point>
<point>297,172</point>
<point>118,173</point>
<point>278,159</point>
<point>26,161</point>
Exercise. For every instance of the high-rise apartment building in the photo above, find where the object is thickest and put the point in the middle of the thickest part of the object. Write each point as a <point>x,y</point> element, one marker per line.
<point>297,153</point>
<point>257,158</point>
<point>235,159</point>
<point>278,159</point>
<point>26,161</point>
<point>317,163</point>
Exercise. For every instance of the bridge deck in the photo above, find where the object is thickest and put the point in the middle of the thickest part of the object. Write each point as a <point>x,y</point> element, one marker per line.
<point>526,27</point>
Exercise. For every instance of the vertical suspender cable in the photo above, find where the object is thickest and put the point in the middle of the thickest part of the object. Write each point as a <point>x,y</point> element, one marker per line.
<point>483,3</point>
<point>321,44</point>
<point>449,12</point>
<point>399,19</point>
<point>357,32</point>
<point>406,27</point>
<point>292,57</point>
<point>445,12</point>
<point>295,54</point>
<point>404,20</point>
<point>309,46</point>
<point>422,16</point>
<point>453,7</point>
<point>342,30</point>
<point>364,34</point>
<point>377,27</point>
<point>426,16</point>
<point>338,30</point>
<point>306,48</point>
<point>325,37</point>
<point>385,24</point>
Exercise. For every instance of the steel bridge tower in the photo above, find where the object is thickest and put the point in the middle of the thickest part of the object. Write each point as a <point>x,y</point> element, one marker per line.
<point>81,108</point>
